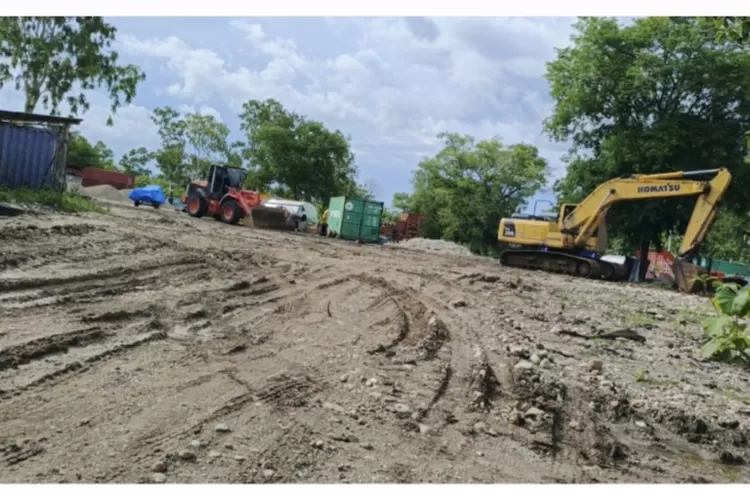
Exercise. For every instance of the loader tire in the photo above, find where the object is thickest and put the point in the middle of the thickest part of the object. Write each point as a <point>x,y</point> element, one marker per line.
<point>231,213</point>
<point>197,206</point>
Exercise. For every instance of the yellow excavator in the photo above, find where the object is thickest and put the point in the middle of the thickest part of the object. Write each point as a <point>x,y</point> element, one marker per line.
<point>574,242</point>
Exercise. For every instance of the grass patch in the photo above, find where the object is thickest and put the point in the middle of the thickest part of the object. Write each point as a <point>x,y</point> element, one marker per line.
<point>64,202</point>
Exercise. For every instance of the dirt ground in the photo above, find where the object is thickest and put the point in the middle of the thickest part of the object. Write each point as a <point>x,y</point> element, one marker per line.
<point>145,346</point>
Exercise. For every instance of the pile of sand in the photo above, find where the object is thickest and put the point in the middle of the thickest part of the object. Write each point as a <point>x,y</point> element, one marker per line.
<point>104,192</point>
<point>435,246</point>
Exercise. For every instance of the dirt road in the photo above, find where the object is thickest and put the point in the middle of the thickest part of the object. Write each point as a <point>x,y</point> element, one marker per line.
<point>145,346</point>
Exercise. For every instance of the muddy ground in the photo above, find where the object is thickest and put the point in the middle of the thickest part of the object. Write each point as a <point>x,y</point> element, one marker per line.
<point>145,346</point>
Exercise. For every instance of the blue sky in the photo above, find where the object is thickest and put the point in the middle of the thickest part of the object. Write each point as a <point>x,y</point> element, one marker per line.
<point>392,84</point>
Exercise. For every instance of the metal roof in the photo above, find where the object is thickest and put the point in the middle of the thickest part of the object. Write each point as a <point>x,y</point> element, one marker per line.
<point>17,116</point>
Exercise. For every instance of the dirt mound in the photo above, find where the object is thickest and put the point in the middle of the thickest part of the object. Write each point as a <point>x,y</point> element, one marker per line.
<point>435,246</point>
<point>104,192</point>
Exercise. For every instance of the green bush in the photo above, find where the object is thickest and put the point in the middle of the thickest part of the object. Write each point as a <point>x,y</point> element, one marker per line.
<point>65,202</point>
<point>726,338</point>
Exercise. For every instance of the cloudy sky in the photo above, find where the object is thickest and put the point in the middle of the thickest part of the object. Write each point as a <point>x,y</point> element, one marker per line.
<point>392,84</point>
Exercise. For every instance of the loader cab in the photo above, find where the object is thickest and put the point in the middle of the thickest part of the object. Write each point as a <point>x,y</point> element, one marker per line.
<point>218,180</point>
<point>222,177</point>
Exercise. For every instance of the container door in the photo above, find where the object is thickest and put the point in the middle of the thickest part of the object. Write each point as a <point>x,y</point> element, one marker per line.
<point>336,214</point>
<point>350,227</point>
<point>371,217</point>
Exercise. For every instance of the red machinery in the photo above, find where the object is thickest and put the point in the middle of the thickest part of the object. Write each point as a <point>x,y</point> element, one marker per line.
<point>222,197</point>
<point>408,227</point>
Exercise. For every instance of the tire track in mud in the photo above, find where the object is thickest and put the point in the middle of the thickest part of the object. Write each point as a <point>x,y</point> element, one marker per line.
<point>592,441</point>
<point>14,453</point>
<point>421,334</point>
<point>81,365</point>
<point>280,392</point>
<point>16,355</point>
<point>17,285</point>
<point>468,362</point>
<point>290,457</point>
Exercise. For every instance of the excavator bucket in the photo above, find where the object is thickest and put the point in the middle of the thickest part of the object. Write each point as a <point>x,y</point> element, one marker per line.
<point>687,276</point>
<point>262,217</point>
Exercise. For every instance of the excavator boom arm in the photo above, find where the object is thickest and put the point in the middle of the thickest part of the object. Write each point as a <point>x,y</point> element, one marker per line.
<point>587,216</point>
<point>704,213</point>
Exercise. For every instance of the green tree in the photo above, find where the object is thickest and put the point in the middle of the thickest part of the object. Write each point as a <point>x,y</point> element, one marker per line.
<point>732,28</point>
<point>135,161</point>
<point>81,153</point>
<point>655,96</point>
<point>106,156</point>
<point>297,156</point>
<point>469,186</point>
<point>207,139</point>
<point>403,202</point>
<point>59,59</point>
<point>171,158</point>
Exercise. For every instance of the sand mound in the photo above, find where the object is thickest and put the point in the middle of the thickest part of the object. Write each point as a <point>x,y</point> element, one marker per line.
<point>435,246</point>
<point>104,192</point>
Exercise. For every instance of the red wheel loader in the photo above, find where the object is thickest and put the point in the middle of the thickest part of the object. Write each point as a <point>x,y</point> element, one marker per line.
<point>222,197</point>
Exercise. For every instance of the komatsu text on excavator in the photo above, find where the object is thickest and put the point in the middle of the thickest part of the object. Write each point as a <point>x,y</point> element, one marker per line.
<point>574,243</point>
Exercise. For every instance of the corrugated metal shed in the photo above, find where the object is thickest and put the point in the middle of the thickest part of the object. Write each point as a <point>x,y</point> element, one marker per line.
<point>28,156</point>
<point>33,150</point>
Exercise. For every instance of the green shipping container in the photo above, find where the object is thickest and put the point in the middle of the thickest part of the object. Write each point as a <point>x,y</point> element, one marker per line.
<point>354,219</point>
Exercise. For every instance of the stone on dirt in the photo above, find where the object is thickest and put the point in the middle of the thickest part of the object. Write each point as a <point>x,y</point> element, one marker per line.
<point>158,478</point>
<point>159,466</point>
<point>222,427</point>
<point>596,366</point>
<point>186,455</point>
<point>402,410</point>
<point>524,366</point>
<point>333,407</point>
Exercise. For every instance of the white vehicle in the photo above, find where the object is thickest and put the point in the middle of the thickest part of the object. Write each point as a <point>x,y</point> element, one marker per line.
<point>298,208</point>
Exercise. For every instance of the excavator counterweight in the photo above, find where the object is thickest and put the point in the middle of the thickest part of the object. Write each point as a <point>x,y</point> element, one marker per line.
<point>574,242</point>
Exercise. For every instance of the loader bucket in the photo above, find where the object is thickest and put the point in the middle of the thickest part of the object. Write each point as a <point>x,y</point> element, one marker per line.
<point>688,277</point>
<point>268,218</point>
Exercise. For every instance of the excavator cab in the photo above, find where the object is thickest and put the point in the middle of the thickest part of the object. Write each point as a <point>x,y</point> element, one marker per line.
<point>565,210</point>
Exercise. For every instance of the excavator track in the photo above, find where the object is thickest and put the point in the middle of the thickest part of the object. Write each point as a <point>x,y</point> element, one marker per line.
<point>563,263</point>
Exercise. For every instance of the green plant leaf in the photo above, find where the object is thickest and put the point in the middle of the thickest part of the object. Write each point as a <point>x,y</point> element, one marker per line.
<point>711,348</point>
<point>724,298</point>
<point>717,326</point>
<point>741,303</point>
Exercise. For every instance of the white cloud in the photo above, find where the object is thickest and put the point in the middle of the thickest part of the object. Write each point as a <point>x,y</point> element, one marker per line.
<point>392,84</point>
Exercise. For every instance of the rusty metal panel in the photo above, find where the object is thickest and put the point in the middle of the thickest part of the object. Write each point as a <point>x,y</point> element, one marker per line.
<point>96,176</point>
<point>28,156</point>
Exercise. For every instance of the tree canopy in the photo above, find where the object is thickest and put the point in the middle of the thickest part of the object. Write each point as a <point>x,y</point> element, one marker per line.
<point>289,153</point>
<point>59,59</point>
<point>659,95</point>
<point>81,153</point>
<point>469,186</point>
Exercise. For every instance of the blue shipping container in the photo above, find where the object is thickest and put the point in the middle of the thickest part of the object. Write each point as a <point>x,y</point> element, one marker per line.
<point>28,156</point>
